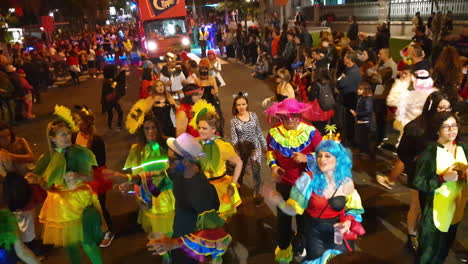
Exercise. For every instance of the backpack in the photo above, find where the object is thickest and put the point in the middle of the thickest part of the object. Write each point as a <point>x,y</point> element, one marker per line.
<point>326,99</point>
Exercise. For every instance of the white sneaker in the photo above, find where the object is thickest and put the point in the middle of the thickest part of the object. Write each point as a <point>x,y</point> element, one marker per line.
<point>385,181</point>
<point>108,237</point>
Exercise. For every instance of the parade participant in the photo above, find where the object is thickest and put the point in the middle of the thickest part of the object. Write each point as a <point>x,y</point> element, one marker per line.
<point>71,213</point>
<point>163,107</point>
<point>215,69</point>
<point>327,199</point>
<point>217,153</point>
<point>87,137</point>
<point>413,142</point>
<point>184,115</point>
<point>207,81</point>
<point>284,89</point>
<point>11,245</point>
<point>147,79</point>
<point>210,89</point>
<point>248,140</point>
<point>441,179</point>
<point>172,76</point>
<point>408,94</point>
<point>148,162</point>
<point>110,96</point>
<point>198,231</point>
<point>291,144</point>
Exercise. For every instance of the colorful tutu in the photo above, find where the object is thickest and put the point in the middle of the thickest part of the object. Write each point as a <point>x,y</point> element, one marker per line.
<point>208,242</point>
<point>160,217</point>
<point>227,204</point>
<point>62,214</point>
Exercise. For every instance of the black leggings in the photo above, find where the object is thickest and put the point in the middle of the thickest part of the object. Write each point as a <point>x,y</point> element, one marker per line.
<point>110,114</point>
<point>105,212</point>
<point>319,236</point>
<point>285,233</point>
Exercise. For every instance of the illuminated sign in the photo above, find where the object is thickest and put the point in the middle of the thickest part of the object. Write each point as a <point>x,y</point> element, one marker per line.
<point>161,6</point>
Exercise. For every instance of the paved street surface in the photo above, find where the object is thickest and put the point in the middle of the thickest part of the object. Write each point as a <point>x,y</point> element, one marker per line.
<point>252,228</point>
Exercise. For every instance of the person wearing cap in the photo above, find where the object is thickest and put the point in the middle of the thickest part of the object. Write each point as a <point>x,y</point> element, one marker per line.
<point>290,144</point>
<point>198,228</point>
<point>172,76</point>
<point>184,115</point>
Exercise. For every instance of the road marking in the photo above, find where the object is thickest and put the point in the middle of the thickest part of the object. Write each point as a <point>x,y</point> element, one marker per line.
<point>394,230</point>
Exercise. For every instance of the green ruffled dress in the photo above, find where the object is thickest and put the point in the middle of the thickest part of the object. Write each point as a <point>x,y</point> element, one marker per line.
<point>442,203</point>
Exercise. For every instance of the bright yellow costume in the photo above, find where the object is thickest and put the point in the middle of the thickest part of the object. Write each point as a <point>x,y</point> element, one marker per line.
<point>154,189</point>
<point>62,212</point>
<point>217,152</point>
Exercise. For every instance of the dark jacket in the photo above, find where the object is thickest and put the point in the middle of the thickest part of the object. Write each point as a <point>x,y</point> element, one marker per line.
<point>353,31</point>
<point>97,147</point>
<point>350,83</point>
<point>364,108</point>
<point>307,39</point>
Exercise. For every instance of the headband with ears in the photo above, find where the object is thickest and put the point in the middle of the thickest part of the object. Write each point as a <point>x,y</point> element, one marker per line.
<point>240,94</point>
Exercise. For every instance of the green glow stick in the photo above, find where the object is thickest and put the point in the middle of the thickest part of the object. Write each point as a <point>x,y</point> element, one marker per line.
<point>148,163</point>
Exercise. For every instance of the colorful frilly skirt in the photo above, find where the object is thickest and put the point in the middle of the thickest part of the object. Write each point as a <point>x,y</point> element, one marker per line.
<point>160,217</point>
<point>62,214</point>
<point>227,204</point>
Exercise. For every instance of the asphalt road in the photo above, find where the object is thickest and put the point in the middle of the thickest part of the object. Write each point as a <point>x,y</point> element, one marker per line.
<point>252,228</point>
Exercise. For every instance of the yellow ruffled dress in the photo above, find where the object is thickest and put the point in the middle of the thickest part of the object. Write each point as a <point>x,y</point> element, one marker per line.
<point>217,153</point>
<point>63,208</point>
<point>150,164</point>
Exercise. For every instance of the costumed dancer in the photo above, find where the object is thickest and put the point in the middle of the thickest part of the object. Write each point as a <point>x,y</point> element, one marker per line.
<point>71,213</point>
<point>215,69</point>
<point>413,142</point>
<point>217,153</point>
<point>210,89</point>
<point>284,89</point>
<point>441,179</point>
<point>327,199</point>
<point>198,228</point>
<point>248,139</point>
<point>172,76</point>
<point>163,107</point>
<point>110,96</point>
<point>148,162</point>
<point>184,114</point>
<point>86,137</point>
<point>11,244</point>
<point>290,145</point>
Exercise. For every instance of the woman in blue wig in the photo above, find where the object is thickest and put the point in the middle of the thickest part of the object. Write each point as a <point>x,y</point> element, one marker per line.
<point>326,197</point>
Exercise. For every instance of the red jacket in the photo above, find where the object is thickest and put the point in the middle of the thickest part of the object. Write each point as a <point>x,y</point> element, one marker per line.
<point>275,46</point>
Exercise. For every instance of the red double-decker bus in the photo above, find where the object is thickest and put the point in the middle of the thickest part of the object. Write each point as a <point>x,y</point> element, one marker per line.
<point>163,26</point>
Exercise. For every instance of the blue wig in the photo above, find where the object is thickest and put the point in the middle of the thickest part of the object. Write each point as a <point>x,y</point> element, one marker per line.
<point>343,168</point>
